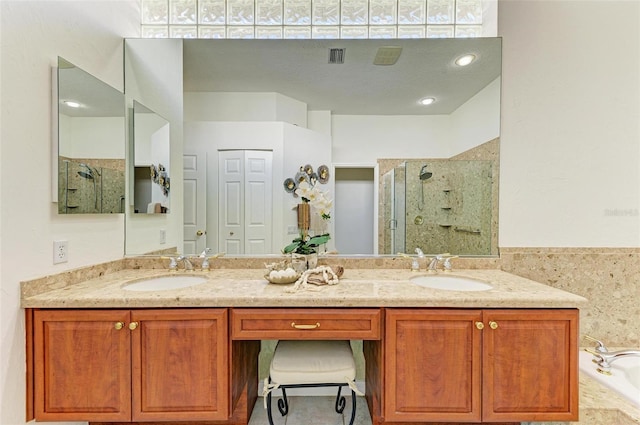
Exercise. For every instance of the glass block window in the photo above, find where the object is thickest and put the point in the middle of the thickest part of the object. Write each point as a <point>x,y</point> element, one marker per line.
<point>278,19</point>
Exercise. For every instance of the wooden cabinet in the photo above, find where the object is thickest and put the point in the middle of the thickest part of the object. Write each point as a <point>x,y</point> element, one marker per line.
<point>433,365</point>
<point>479,365</point>
<point>131,365</point>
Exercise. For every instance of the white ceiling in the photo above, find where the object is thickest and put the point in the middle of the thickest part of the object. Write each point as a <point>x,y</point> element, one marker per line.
<point>300,69</point>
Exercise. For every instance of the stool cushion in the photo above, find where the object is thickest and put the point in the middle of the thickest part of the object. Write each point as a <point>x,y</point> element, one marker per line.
<point>312,362</point>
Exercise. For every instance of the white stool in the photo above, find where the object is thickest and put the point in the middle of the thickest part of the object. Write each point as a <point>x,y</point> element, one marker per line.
<point>299,364</point>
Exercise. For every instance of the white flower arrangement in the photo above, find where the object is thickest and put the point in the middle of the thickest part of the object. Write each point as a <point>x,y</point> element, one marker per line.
<point>318,199</point>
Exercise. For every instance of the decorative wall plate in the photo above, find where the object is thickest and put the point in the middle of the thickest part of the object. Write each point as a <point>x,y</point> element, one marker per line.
<point>290,185</point>
<point>323,174</point>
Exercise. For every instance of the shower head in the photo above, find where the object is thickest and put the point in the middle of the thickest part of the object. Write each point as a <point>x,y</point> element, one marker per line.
<point>89,173</point>
<point>424,174</point>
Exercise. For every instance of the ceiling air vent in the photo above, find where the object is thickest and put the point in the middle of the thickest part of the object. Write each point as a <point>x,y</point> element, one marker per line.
<point>336,55</point>
<point>387,55</point>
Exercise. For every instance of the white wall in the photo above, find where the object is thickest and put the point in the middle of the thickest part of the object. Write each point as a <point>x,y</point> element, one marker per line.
<point>33,35</point>
<point>96,137</point>
<point>569,150</point>
<point>365,138</point>
<point>477,121</point>
<point>238,106</point>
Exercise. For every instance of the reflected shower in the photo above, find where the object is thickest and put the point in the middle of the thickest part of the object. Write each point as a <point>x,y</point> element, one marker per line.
<point>424,175</point>
<point>89,175</point>
<point>86,174</point>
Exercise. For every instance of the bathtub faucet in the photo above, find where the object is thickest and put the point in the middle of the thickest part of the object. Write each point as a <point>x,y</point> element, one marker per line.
<point>604,359</point>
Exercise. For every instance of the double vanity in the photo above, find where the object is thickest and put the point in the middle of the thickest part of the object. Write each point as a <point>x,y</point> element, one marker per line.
<point>127,345</point>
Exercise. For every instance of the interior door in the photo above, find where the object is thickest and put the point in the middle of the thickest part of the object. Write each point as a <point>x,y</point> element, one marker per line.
<point>230,205</point>
<point>245,205</point>
<point>257,202</point>
<point>195,202</point>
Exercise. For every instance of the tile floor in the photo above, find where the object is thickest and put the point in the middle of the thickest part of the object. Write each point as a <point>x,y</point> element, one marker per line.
<point>314,410</point>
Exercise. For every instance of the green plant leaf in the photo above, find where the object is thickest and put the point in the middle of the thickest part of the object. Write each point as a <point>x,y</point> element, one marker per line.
<point>319,240</point>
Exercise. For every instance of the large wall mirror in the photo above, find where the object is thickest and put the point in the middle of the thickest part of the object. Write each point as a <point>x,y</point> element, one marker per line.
<point>91,143</point>
<point>151,161</point>
<point>350,105</point>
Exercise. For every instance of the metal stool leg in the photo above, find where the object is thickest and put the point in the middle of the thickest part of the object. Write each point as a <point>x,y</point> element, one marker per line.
<point>353,407</point>
<point>340,401</point>
<point>283,403</point>
<point>269,415</point>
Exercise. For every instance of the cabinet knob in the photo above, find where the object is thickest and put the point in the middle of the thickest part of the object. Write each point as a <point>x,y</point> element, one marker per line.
<point>493,325</point>
<point>133,325</point>
<point>200,233</point>
<point>480,325</point>
<point>295,326</point>
<point>118,325</point>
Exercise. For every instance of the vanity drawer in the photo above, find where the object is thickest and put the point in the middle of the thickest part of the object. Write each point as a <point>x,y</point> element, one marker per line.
<point>305,323</point>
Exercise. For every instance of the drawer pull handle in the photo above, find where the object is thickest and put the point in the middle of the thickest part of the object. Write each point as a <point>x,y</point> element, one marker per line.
<point>316,326</point>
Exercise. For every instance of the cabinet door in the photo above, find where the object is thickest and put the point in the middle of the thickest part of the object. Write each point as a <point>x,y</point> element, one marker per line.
<point>179,360</point>
<point>530,365</point>
<point>432,365</point>
<point>82,365</point>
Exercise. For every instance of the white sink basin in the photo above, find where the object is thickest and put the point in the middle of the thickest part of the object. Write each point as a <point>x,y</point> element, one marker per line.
<point>451,283</point>
<point>164,283</point>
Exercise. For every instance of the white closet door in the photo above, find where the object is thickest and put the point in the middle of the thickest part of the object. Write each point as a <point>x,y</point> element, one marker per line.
<point>258,202</point>
<point>245,204</point>
<point>231,202</point>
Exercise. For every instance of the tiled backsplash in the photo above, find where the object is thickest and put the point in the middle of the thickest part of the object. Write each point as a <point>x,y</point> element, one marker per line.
<point>608,277</point>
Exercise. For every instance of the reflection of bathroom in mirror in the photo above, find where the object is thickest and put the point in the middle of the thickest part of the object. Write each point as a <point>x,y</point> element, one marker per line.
<point>441,205</point>
<point>284,96</point>
<point>151,161</point>
<point>91,144</point>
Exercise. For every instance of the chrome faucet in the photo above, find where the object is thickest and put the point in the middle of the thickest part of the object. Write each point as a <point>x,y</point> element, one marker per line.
<point>445,259</point>
<point>433,265</point>
<point>205,259</point>
<point>185,260</point>
<point>604,359</point>
<point>600,347</point>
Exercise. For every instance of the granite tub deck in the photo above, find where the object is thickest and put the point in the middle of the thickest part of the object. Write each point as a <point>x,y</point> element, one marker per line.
<point>601,406</point>
<point>248,288</point>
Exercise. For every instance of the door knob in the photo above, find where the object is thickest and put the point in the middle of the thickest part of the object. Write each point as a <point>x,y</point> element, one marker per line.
<point>200,233</point>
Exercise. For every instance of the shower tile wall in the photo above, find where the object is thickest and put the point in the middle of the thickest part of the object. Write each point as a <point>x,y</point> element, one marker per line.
<point>79,197</point>
<point>489,151</point>
<point>460,208</point>
<point>448,212</point>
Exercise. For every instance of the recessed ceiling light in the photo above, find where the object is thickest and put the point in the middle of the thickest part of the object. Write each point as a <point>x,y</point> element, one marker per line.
<point>71,103</point>
<point>427,101</point>
<point>465,60</point>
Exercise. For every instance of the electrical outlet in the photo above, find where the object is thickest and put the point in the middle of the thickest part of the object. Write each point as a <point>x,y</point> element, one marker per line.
<point>292,230</point>
<point>163,236</point>
<point>60,252</point>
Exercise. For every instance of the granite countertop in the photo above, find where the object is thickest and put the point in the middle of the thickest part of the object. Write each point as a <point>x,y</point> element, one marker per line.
<point>249,288</point>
